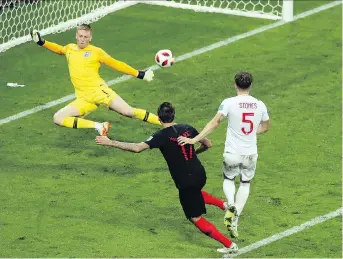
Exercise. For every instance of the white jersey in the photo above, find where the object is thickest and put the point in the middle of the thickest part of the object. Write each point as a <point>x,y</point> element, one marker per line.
<point>244,114</point>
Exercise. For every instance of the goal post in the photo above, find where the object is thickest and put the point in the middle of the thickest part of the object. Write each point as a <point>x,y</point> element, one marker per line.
<point>268,9</point>
<point>18,17</point>
<point>287,10</point>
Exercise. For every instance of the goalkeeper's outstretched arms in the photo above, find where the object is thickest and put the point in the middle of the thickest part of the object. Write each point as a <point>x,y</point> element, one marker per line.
<point>125,68</point>
<point>36,37</point>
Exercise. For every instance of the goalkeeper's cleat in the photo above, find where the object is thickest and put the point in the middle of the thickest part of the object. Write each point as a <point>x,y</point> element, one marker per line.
<point>230,216</point>
<point>104,129</point>
<point>35,35</point>
<point>229,250</point>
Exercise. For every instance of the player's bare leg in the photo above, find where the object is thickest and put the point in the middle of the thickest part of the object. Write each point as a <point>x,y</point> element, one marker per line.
<point>210,230</point>
<point>70,117</point>
<point>123,108</point>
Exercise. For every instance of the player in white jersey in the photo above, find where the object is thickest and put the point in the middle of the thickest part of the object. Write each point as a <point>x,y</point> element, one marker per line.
<point>247,117</point>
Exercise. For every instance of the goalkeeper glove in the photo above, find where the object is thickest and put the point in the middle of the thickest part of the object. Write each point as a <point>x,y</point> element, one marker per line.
<point>146,75</point>
<point>35,35</point>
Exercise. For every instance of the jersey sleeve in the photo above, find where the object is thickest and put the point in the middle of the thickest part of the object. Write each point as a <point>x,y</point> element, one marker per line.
<point>265,115</point>
<point>65,49</point>
<point>117,65</point>
<point>224,108</point>
<point>54,47</point>
<point>103,56</point>
<point>155,141</point>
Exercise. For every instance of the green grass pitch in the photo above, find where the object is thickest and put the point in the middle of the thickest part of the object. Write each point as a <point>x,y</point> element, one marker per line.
<point>63,196</point>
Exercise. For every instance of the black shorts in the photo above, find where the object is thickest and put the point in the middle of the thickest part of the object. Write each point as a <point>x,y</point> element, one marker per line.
<point>192,202</point>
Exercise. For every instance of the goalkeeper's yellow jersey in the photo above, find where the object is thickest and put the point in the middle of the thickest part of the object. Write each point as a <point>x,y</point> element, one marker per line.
<point>84,66</point>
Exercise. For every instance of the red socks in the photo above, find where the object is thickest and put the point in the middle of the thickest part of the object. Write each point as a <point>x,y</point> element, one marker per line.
<point>209,199</point>
<point>210,230</point>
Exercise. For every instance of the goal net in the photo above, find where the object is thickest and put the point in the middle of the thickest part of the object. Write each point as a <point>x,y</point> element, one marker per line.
<point>18,17</point>
<point>268,9</point>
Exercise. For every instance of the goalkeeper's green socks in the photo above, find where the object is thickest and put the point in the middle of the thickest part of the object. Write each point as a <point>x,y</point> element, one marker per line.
<point>78,123</point>
<point>145,116</point>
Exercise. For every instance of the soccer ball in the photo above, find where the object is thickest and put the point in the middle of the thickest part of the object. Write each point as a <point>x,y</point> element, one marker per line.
<point>164,58</point>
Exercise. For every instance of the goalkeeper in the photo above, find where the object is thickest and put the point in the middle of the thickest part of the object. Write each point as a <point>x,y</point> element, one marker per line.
<point>91,90</point>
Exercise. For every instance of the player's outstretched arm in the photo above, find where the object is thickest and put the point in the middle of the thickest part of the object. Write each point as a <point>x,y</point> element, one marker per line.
<point>126,69</point>
<point>132,147</point>
<point>36,37</point>
<point>205,145</point>
<point>209,128</point>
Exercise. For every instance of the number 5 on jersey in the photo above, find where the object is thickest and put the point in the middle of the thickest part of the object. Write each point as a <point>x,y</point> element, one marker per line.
<point>246,119</point>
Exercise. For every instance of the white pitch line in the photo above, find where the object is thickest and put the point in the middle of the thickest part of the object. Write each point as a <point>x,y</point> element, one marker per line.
<point>178,59</point>
<point>288,232</point>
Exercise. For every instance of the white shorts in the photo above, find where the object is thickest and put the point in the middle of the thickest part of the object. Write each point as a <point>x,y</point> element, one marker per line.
<point>239,165</point>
